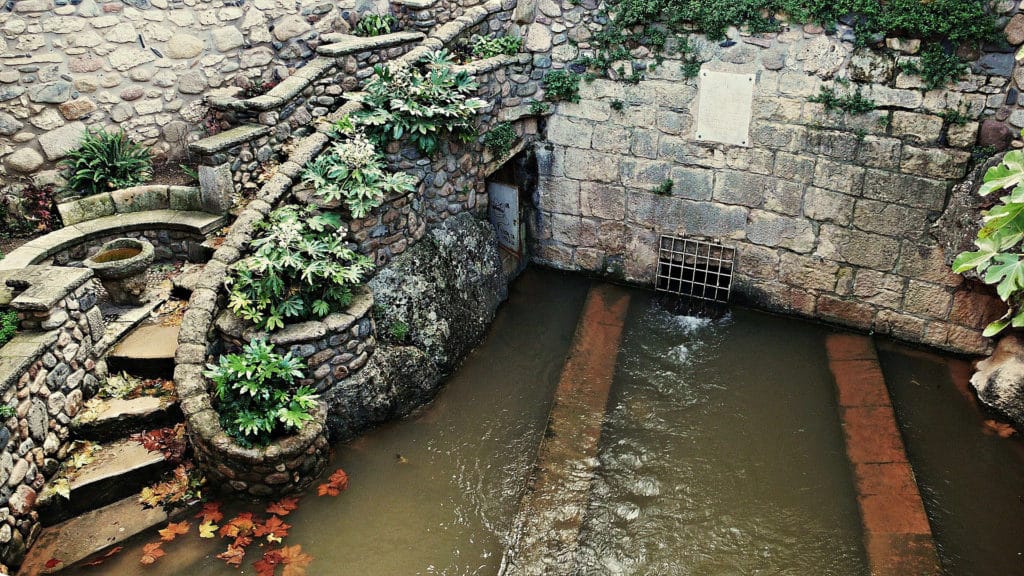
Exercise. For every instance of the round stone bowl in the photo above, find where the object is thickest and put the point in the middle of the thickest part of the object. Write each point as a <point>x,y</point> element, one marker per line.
<point>120,265</point>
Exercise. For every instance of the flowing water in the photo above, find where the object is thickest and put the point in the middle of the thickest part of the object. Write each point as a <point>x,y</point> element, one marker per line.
<point>721,454</point>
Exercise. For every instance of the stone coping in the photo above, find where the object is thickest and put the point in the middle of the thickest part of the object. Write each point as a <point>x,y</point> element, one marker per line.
<point>40,288</point>
<point>234,327</point>
<point>18,355</point>
<point>228,139</point>
<point>473,16</point>
<point>128,200</point>
<point>347,44</point>
<point>415,4</point>
<point>33,252</point>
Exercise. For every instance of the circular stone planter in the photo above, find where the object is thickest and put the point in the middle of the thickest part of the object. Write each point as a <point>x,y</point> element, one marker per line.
<point>285,466</point>
<point>120,266</point>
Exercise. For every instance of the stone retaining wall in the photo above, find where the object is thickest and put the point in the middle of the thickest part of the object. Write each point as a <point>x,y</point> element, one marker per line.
<point>143,66</point>
<point>830,212</point>
<point>46,372</point>
<point>168,245</point>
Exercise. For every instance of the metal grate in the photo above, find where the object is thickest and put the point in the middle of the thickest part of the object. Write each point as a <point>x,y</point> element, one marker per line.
<point>695,268</point>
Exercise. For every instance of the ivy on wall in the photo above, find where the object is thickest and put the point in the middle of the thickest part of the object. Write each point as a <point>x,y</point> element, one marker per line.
<point>652,23</point>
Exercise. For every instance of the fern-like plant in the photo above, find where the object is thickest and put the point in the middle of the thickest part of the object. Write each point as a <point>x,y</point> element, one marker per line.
<point>426,102</point>
<point>484,47</point>
<point>375,25</point>
<point>257,398</point>
<point>301,269</point>
<point>106,161</point>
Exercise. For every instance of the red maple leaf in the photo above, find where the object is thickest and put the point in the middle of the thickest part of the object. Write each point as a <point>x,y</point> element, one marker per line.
<point>101,559</point>
<point>53,563</point>
<point>232,556</point>
<point>339,479</point>
<point>242,541</point>
<point>283,507</point>
<point>210,513</point>
<point>265,566</point>
<point>151,553</point>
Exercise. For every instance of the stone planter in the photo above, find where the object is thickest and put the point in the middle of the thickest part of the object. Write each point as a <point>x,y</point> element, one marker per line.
<point>121,267</point>
<point>334,348</point>
<point>286,466</point>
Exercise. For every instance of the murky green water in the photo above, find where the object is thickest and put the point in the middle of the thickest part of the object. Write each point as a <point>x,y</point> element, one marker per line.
<point>971,481</point>
<point>722,453</point>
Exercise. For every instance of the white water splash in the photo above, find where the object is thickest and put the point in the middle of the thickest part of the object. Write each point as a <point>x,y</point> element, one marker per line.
<point>691,324</point>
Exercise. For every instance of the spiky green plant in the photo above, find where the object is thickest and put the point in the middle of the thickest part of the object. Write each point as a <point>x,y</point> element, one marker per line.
<point>106,161</point>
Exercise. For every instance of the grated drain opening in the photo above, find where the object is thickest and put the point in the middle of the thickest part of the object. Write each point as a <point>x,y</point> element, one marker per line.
<point>695,268</point>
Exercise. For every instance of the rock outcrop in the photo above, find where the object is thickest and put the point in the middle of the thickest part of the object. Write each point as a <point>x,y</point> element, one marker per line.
<point>999,380</point>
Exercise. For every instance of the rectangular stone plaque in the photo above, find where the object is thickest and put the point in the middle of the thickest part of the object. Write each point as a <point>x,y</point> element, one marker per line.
<point>724,107</point>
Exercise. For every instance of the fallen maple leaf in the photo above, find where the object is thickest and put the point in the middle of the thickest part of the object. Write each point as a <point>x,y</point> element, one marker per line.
<point>101,559</point>
<point>294,560</point>
<point>265,566</point>
<point>53,563</point>
<point>327,490</point>
<point>339,479</point>
<point>232,556</point>
<point>283,507</point>
<point>207,530</point>
<point>173,530</point>
<point>151,553</point>
<point>242,542</point>
<point>210,513</point>
<point>274,526</point>
<point>1000,429</point>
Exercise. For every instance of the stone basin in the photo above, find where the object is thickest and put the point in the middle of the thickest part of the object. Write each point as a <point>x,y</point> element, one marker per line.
<point>120,266</point>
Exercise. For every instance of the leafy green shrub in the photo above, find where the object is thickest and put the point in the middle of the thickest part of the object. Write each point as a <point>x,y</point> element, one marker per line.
<point>617,105</point>
<point>353,171</point>
<point>999,260</point>
<point>562,85</point>
<point>665,188</point>
<point>399,331</point>
<point>484,47</point>
<point>7,411</point>
<point>854,103</point>
<point>500,139</point>
<point>539,107</point>
<point>8,325</point>
<point>375,25</point>
<point>257,398</point>
<point>939,68</point>
<point>301,269</point>
<point>32,210</point>
<point>106,161</point>
<point>426,102</point>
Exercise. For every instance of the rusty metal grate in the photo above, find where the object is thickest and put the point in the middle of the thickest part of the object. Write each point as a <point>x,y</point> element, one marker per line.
<point>695,268</point>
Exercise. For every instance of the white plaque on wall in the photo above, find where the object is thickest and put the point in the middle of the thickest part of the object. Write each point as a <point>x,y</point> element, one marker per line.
<point>724,107</point>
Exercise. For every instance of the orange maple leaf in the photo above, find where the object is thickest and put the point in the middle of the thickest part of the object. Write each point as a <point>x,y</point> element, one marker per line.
<point>210,513</point>
<point>283,507</point>
<point>151,553</point>
<point>232,556</point>
<point>327,490</point>
<point>268,564</point>
<point>101,559</point>
<point>273,526</point>
<point>242,542</point>
<point>294,560</point>
<point>173,530</point>
<point>339,479</point>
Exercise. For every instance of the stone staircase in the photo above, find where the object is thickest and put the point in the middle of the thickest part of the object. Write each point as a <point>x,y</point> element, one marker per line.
<point>101,505</point>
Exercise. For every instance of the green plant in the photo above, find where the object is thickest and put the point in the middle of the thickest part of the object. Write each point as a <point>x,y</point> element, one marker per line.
<point>617,105</point>
<point>7,411</point>
<point>539,107</point>
<point>939,68</point>
<point>998,260</point>
<point>301,269</point>
<point>257,396</point>
<point>854,103</point>
<point>500,139</point>
<point>8,325</point>
<point>192,173</point>
<point>562,85</point>
<point>665,188</point>
<point>106,161</point>
<point>375,25</point>
<point>426,102</point>
<point>399,331</point>
<point>31,210</point>
<point>956,116</point>
<point>484,47</point>
<point>353,171</point>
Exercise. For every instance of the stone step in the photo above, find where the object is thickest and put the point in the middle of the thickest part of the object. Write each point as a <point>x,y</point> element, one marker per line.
<point>82,536</point>
<point>148,351</point>
<point>185,282</point>
<point>107,420</point>
<point>118,469</point>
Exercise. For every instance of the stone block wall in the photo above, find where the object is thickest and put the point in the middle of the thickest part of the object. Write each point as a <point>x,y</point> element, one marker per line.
<point>142,65</point>
<point>830,212</point>
<point>46,372</point>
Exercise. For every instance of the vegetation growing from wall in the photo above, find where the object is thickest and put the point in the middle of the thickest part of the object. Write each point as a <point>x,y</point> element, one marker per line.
<point>301,269</point>
<point>375,25</point>
<point>106,161</point>
<point>500,139</point>
<point>425,103</point>
<point>562,85</point>
<point>352,171</point>
<point>662,25</point>
<point>257,396</point>
<point>8,325</point>
<point>854,104</point>
<point>484,47</point>
<point>998,260</point>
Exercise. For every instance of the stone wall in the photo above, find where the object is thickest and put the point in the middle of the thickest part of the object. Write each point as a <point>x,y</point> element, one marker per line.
<point>830,212</point>
<point>46,372</point>
<point>143,65</point>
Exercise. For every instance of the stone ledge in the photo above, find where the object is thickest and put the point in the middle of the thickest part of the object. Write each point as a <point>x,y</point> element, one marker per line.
<point>40,288</point>
<point>345,45</point>
<point>201,223</point>
<point>18,355</point>
<point>229,139</point>
<point>415,4</point>
<point>129,200</point>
